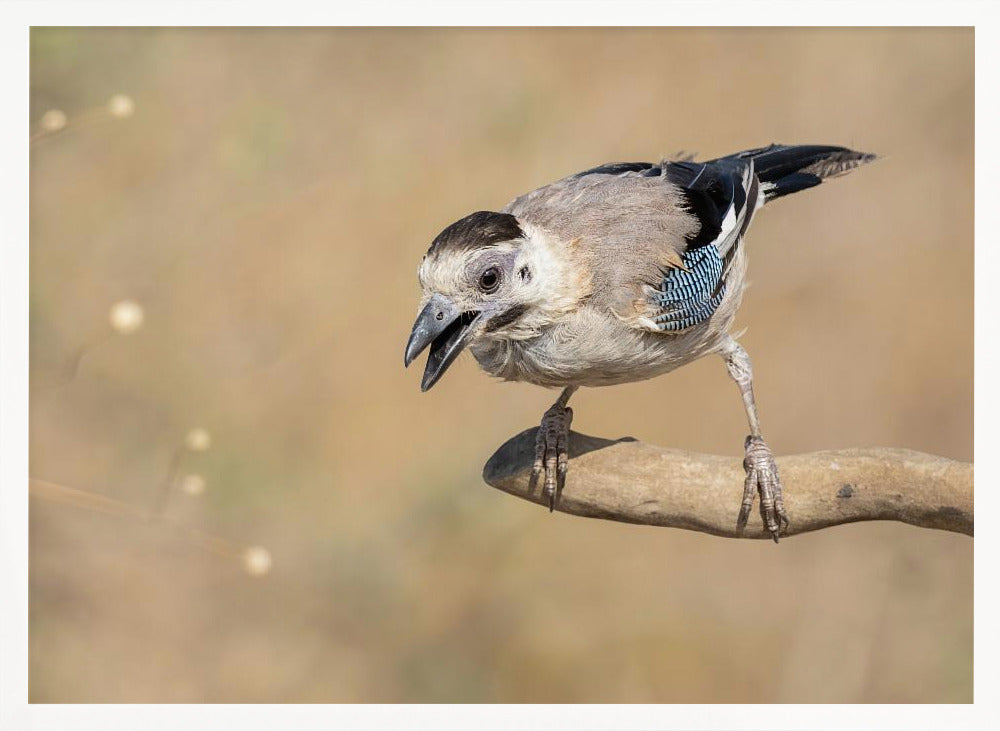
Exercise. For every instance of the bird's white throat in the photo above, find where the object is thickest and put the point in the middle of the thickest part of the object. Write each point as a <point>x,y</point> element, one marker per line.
<point>558,280</point>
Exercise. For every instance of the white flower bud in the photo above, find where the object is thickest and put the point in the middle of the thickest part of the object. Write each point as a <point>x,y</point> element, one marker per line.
<point>257,560</point>
<point>126,316</point>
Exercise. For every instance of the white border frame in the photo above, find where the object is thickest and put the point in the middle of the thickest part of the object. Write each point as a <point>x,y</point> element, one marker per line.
<point>15,19</point>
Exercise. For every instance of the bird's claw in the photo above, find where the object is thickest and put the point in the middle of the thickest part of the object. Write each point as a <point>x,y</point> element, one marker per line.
<point>762,478</point>
<point>552,452</point>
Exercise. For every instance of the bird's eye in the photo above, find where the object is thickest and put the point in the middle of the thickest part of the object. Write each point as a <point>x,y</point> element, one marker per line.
<point>489,281</point>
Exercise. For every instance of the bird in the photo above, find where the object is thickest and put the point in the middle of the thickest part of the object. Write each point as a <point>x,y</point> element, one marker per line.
<point>619,273</point>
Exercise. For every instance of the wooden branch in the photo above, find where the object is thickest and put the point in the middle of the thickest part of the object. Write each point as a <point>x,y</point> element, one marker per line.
<point>633,482</point>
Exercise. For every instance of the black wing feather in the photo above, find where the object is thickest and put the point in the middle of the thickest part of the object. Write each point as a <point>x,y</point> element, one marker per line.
<point>709,190</point>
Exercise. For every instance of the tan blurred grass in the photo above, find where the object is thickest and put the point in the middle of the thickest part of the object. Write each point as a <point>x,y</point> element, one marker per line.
<point>268,203</point>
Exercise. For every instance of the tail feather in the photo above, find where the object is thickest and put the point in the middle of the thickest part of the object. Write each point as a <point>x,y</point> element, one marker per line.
<point>784,169</point>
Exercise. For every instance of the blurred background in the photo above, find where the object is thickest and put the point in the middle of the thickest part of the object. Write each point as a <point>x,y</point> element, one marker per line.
<point>225,230</point>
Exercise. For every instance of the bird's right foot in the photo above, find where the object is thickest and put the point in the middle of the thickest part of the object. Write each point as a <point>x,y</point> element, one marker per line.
<point>762,478</point>
<point>552,451</point>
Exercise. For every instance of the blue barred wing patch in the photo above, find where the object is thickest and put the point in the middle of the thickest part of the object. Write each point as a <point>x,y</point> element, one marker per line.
<point>687,298</point>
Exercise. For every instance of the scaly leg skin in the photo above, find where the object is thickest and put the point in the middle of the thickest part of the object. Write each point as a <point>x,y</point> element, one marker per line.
<point>762,472</point>
<point>552,447</point>
<point>762,477</point>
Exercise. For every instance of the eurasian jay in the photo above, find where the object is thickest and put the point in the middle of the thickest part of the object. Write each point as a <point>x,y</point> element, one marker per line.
<point>619,273</point>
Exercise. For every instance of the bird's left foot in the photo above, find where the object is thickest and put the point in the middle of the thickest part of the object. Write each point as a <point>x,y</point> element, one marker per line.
<point>552,451</point>
<point>762,477</point>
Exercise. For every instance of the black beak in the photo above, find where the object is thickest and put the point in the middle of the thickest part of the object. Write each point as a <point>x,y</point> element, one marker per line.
<point>446,330</point>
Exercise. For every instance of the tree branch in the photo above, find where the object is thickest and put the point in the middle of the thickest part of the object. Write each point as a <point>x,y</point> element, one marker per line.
<point>633,482</point>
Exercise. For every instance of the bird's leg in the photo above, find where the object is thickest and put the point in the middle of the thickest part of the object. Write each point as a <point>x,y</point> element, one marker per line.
<point>762,472</point>
<point>552,447</point>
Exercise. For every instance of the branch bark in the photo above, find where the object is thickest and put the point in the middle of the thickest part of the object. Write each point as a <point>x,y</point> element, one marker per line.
<point>633,482</point>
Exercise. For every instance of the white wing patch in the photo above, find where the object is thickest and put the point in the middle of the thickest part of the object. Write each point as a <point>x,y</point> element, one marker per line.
<point>737,221</point>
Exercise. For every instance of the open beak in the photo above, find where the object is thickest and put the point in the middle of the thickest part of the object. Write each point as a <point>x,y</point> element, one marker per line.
<point>446,330</point>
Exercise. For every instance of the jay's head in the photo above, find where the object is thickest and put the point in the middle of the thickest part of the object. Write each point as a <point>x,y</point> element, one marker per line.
<point>483,278</point>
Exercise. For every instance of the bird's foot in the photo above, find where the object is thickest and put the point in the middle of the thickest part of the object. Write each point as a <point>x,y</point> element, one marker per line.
<point>552,451</point>
<point>762,477</point>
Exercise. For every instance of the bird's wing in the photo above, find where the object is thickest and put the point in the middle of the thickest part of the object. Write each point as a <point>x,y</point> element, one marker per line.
<point>723,195</point>
<point>660,237</point>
